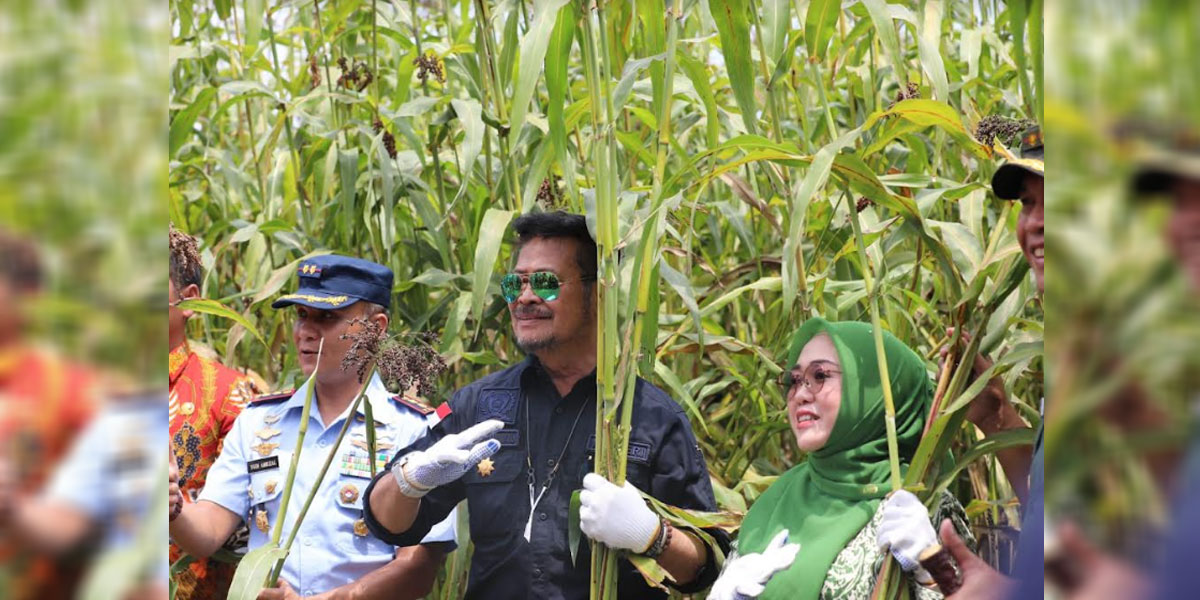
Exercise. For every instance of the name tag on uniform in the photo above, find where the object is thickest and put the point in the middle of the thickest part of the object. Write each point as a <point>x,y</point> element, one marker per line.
<point>263,464</point>
<point>638,452</point>
<point>508,437</point>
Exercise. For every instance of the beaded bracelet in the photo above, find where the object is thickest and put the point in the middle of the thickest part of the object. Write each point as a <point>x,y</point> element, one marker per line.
<point>661,542</point>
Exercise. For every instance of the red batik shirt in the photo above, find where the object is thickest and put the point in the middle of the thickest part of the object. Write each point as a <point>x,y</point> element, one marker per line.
<point>44,403</point>
<point>205,398</point>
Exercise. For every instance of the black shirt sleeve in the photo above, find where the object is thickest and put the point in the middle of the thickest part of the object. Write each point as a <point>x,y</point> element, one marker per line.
<point>435,506</point>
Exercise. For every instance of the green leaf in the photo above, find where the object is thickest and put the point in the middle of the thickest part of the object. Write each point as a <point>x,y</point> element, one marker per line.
<point>676,386</point>
<point>776,21</point>
<point>491,234</point>
<point>181,126</point>
<point>814,180</point>
<point>470,116</point>
<point>369,415</point>
<point>651,571</point>
<point>698,75</point>
<point>251,575</point>
<point>1010,438</point>
<point>246,88</point>
<point>574,533</point>
<point>281,276</point>
<point>932,113</point>
<point>533,55</point>
<point>348,175</point>
<point>929,48</point>
<point>254,22</point>
<point>629,75</point>
<point>557,59</point>
<point>734,29</point>
<point>885,30</point>
<point>819,25</point>
<point>766,283</point>
<point>113,574</point>
<point>212,307</point>
<point>222,8</point>
<point>416,107</point>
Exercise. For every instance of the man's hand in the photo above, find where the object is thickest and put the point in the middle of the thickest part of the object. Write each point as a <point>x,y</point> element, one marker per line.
<point>1102,577</point>
<point>905,530</point>
<point>281,591</point>
<point>746,576</point>
<point>616,516</point>
<point>979,580</point>
<point>989,410</point>
<point>419,472</point>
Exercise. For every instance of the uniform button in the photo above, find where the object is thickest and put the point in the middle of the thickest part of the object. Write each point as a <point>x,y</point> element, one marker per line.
<point>550,462</point>
<point>323,443</point>
<point>308,541</point>
<point>541,516</point>
<point>537,572</point>
<point>558,411</point>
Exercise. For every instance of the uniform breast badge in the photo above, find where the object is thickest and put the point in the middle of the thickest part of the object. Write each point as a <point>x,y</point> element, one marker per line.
<point>360,528</point>
<point>349,493</point>
<point>265,448</point>
<point>267,433</point>
<point>485,467</point>
<point>261,521</point>
<point>270,486</point>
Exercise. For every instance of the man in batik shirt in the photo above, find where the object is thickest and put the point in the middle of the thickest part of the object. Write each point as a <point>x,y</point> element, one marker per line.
<point>45,401</point>
<point>205,398</point>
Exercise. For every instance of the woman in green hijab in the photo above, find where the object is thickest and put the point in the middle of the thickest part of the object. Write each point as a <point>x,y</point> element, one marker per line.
<point>819,531</point>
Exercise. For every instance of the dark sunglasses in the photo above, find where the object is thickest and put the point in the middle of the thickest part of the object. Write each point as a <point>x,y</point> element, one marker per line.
<point>813,379</point>
<point>545,285</point>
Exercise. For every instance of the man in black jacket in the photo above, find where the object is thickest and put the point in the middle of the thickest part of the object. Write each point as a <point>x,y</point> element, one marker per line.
<point>517,443</point>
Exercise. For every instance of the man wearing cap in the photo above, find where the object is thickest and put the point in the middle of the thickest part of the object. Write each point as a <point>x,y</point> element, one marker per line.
<point>517,443</point>
<point>1021,179</point>
<point>1175,175</point>
<point>333,555</point>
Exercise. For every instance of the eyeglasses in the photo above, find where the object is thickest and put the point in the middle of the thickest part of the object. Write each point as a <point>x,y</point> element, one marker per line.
<point>813,379</point>
<point>545,285</point>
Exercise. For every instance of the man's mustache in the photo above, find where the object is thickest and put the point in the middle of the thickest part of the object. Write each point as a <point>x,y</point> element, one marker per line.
<point>531,312</point>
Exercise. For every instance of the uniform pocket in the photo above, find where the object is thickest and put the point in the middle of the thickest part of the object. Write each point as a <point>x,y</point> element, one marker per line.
<point>352,534</point>
<point>502,467</point>
<point>266,485</point>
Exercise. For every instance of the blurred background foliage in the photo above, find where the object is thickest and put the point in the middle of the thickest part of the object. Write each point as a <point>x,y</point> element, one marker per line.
<point>411,133</point>
<point>1123,337</point>
<point>82,172</point>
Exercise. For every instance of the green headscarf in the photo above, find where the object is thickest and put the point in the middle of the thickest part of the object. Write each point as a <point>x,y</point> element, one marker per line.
<point>825,501</point>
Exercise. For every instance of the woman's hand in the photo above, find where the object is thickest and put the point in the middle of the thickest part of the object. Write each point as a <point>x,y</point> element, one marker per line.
<point>906,531</point>
<point>746,576</point>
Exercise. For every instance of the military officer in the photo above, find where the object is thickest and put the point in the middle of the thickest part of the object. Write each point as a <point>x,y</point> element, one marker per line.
<point>332,555</point>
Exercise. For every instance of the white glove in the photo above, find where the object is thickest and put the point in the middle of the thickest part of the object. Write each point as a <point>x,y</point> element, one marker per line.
<point>906,530</point>
<point>419,472</point>
<point>746,576</point>
<point>616,516</point>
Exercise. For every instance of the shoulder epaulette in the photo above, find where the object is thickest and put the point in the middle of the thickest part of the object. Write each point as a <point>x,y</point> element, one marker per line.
<point>272,398</point>
<point>417,405</point>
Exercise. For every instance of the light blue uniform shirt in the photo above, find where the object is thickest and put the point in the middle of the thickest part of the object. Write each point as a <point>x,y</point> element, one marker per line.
<point>252,469</point>
<point>114,468</point>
